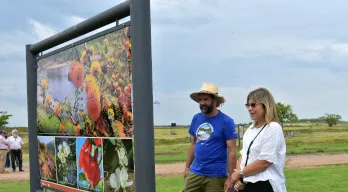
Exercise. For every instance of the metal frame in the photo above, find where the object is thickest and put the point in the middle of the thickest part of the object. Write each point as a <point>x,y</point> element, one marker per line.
<point>139,12</point>
<point>90,38</point>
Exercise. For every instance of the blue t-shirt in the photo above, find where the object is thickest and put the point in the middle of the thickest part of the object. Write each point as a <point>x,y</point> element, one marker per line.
<point>210,155</point>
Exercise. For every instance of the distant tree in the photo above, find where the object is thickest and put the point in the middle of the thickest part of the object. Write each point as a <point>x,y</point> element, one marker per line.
<point>331,119</point>
<point>285,113</point>
<point>311,120</point>
<point>3,118</point>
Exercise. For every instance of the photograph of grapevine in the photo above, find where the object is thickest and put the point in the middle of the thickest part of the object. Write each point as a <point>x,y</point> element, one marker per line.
<point>86,90</point>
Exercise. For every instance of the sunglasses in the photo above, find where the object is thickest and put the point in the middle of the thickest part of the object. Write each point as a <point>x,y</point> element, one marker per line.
<point>251,105</point>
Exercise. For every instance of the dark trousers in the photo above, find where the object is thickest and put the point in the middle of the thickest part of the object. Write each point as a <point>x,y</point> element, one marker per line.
<point>16,154</point>
<point>263,186</point>
<point>8,163</point>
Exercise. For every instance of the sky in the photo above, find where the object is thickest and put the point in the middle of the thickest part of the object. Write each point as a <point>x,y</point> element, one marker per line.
<point>296,49</point>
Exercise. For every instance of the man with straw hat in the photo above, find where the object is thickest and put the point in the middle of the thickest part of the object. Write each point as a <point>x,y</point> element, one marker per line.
<point>212,155</point>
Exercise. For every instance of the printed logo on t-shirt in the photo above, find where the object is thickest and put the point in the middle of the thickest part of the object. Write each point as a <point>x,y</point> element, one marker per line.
<point>204,131</point>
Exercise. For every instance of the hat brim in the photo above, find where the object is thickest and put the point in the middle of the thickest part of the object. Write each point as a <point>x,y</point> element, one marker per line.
<point>195,97</point>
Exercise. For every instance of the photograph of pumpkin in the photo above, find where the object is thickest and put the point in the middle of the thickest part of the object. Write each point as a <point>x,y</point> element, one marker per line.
<point>86,90</point>
<point>89,161</point>
<point>47,158</point>
<point>66,161</point>
<point>118,165</point>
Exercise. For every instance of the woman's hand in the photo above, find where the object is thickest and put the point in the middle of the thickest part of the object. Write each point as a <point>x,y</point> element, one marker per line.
<point>235,175</point>
<point>238,185</point>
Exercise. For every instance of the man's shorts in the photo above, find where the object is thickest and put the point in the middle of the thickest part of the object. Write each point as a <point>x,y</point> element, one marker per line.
<point>197,183</point>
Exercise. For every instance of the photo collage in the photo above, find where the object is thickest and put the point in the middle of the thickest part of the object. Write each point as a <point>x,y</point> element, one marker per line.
<point>84,116</point>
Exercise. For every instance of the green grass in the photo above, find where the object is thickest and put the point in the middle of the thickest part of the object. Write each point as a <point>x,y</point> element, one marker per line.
<point>308,139</point>
<point>322,179</point>
<point>329,178</point>
<point>22,186</point>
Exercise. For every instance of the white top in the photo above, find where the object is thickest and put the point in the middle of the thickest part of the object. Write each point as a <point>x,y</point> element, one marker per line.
<point>15,143</point>
<point>270,146</point>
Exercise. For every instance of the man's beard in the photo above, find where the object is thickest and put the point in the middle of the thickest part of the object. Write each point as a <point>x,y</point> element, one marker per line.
<point>206,109</point>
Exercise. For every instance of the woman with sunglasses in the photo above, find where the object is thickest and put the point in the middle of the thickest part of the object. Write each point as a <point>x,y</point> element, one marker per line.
<point>261,164</point>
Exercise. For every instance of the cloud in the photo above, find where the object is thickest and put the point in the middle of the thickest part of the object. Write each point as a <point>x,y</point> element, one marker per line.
<point>41,31</point>
<point>13,93</point>
<point>178,107</point>
<point>73,20</point>
<point>312,92</point>
<point>299,53</point>
<point>13,99</point>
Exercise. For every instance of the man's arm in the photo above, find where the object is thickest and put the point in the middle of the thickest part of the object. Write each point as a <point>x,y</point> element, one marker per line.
<point>5,141</point>
<point>190,155</point>
<point>232,157</point>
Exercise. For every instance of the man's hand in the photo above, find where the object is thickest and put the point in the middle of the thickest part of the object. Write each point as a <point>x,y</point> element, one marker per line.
<point>185,172</point>
<point>228,185</point>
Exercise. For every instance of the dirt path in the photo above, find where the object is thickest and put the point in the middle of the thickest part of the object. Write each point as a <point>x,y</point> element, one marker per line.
<point>16,176</point>
<point>292,161</point>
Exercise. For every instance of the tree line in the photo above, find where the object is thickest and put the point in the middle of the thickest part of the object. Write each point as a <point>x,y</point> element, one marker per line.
<point>286,115</point>
<point>285,112</point>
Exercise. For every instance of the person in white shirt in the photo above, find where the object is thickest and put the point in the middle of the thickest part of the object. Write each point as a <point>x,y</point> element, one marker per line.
<point>16,150</point>
<point>261,164</point>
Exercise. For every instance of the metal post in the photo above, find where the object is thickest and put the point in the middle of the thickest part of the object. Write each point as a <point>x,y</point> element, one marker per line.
<point>32,127</point>
<point>142,96</point>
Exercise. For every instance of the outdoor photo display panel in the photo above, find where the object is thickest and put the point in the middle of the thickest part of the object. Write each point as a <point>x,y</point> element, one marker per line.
<point>84,115</point>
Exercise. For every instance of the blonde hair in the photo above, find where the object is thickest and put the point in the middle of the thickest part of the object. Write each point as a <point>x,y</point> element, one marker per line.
<point>14,131</point>
<point>262,95</point>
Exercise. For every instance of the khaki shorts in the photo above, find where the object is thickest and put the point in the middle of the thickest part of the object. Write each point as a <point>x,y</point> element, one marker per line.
<point>197,183</point>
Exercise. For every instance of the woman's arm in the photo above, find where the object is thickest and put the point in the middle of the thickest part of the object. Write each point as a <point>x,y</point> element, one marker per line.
<point>252,169</point>
<point>256,167</point>
<point>239,162</point>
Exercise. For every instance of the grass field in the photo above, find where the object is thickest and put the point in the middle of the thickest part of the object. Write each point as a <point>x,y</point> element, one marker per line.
<point>308,139</point>
<point>304,180</point>
<point>328,178</point>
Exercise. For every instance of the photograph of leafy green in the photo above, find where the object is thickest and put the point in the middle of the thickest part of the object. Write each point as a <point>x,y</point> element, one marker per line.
<point>66,161</point>
<point>118,165</point>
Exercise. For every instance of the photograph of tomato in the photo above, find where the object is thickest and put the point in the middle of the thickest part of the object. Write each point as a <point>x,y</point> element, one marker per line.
<point>47,158</point>
<point>89,161</point>
<point>118,165</point>
<point>86,90</point>
<point>66,161</point>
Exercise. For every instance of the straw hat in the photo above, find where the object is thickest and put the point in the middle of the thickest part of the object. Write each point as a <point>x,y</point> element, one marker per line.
<point>209,88</point>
